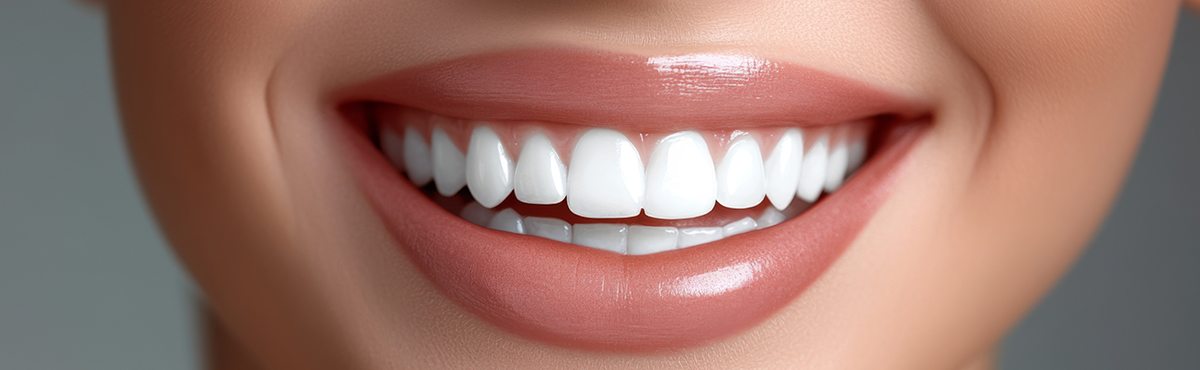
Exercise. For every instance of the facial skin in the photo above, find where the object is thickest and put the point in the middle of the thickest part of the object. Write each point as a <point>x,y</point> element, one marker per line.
<point>1039,107</point>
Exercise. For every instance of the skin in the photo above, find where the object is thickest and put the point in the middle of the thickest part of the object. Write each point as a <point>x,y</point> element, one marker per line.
<point>1039,107</point>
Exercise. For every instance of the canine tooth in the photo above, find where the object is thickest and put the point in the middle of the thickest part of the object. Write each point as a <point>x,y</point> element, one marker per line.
<point>417,163</point>
<point>812,172</point>
<point>692,236</point>
<point>476,214</point>
<point>651,239</point>
<point>835,171</point>
<point>549,228</point>
<point>449,164</point>
<point>856,151</point>
<point>770,217</point>
<point>680,179</point>
<point>741,182</point>
<point>609,237</point>
<point>508,220</point>
<point>782,168</point>
<point>540,177</point>
<point>489,169</point>
<point>740,226</point>
<point>607,179</point>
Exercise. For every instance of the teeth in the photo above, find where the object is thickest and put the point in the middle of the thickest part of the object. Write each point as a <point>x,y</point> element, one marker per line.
<point>835,171</point>
<point>540,177</point>
<point>770,217</point>
<point>392,145</point>
<point>741,182</point>
<point>783,168</point>
<point>549,228</point>
<point>607,179</point>
<point>651,239</point>
<point>489,170</point>
<point>449,165</point>
<point>856,151</point>
<point>508,220</point>
<point>680,179</point>
<point>740,226</point>
<point>476,214</point>
<point>609,237</point>
<point>617,238</point>
<point>812,172</point>
<point>693,236</point>
<point>416,156</point>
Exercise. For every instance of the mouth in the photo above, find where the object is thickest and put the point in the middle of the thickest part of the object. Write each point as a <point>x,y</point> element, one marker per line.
<point>620,202</point>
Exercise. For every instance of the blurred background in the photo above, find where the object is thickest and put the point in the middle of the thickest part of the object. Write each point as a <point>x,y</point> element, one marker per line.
<point>86,281</point>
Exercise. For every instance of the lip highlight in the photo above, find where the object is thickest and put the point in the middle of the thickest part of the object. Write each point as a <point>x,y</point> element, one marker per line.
<point>566,295</point>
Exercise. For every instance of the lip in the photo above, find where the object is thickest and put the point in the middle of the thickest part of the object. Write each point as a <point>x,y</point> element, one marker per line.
<point>579,297</point>
<point>632,93</point>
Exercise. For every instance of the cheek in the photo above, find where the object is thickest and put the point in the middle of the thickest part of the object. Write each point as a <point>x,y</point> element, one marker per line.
<point>1089,62</point>
<point>1068,91</point>
<point>1072,84</point>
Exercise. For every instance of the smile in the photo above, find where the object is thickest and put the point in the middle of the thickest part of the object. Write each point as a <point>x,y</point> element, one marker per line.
<point>622,202</point>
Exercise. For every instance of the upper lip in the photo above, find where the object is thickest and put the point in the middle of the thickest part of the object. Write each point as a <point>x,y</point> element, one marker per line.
<point>577,296</point>
<point>632,93</point>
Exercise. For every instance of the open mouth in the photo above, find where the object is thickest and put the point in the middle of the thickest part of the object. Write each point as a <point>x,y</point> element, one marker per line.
<point>627,193</point>
<point>621,202</point>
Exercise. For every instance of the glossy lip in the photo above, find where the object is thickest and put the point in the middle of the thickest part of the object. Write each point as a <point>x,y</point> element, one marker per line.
<point>632,93</point>
<point>574,296</point>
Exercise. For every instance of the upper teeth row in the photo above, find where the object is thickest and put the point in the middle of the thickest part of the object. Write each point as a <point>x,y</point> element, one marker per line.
<point>607,178</point>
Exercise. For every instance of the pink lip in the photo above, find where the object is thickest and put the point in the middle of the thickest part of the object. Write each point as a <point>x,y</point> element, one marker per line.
<point>631,93</point>
<point>574,296</point>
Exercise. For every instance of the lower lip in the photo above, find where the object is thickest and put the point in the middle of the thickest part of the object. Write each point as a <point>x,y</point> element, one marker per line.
<point>580,297</point>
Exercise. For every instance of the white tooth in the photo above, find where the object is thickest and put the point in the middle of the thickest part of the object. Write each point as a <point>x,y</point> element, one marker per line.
<point>489,169</point>
<point>609,237</point>
<point>680,179</point>
<point>835,171</point>
<point>740,226</point>
<point>449,165</point>
<point>508,220</point>
<point>476,214</point>
<point>607,179</point>
<point>741,182</point>
<point>812,172</point>
<point>549,228</point>
<point>416,156</point>
<point>856,151</point>
<point>783,168</point>
<point>651,239</point>
<point>540,177</point>
<point>393,146</point>
<point>692,236</point>
<point>769,217</point>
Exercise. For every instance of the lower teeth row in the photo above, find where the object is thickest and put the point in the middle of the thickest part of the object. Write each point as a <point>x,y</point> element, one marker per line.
<point>614,237</point>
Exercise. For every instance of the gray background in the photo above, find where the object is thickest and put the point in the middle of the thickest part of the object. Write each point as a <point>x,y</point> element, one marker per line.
<point>86,282</point>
